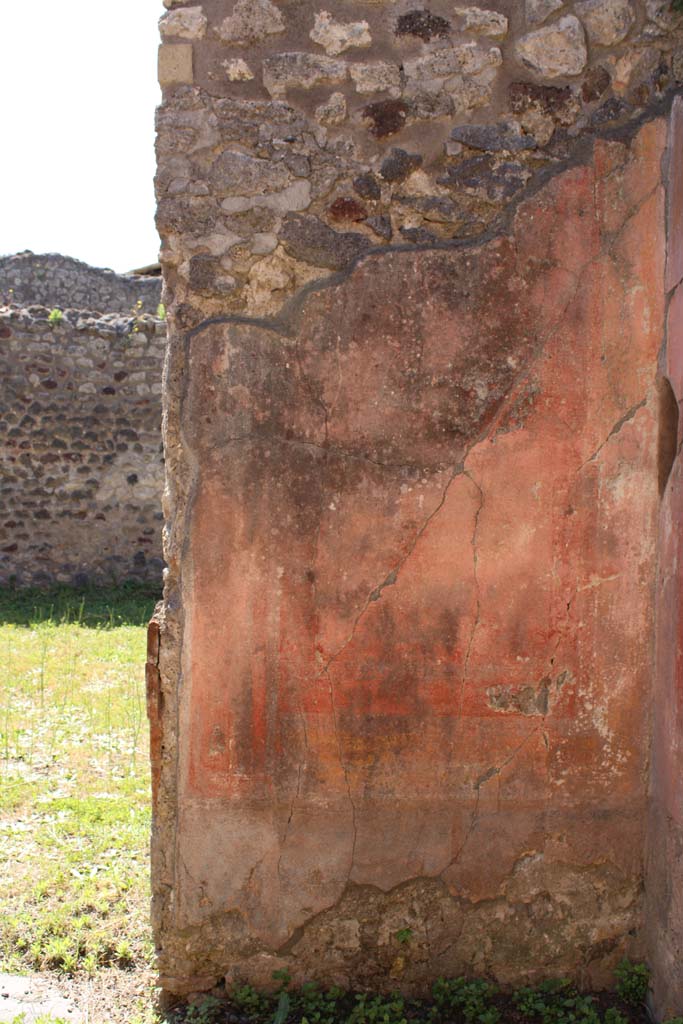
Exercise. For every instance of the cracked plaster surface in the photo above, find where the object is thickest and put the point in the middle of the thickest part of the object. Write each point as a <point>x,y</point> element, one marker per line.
<point>396,505</point>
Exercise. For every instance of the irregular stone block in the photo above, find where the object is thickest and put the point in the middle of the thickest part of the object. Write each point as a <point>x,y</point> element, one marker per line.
<point>606,21</point>
<point>308,239</point>
<point>333,111</point>
<point>184,23</point>
<point>538,10</point>
<point>556,50</point>
<point>366,186</point>
<point>399,165</point>
<point>250,21</point>
<point>423,24</point>
<point>387,117</point>
<point>238,70</point>
<point>347,208</point>
<point>376,77</point>
<point>301,70</point>
<point>483,22</point>
<point>335,37</point>
<point>493,137</point>
<point>175,64</point>
<point>235,172</point>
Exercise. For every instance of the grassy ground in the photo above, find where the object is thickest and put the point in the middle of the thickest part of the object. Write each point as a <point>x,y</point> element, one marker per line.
<point>74,791</point>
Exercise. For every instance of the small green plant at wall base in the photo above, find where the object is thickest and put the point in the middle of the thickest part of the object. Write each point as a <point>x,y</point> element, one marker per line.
<point>557,1002</point>
<point>633,981</point>
<point>249,1001</point>
<point>56,316</point>
<point>370,1009</point>
<point>613,1016</point>
<point>161,311</point>
<point>204,1012</point>
<point>403,936</point>
<point>317,1006</point>
<point>471,999</point>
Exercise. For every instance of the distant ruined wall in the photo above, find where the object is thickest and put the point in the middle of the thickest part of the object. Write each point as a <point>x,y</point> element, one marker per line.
<point>81,464</point>
<point>61,282</point>
<point>414,262</point>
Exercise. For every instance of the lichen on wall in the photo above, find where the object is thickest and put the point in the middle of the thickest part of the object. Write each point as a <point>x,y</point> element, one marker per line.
<point>414,264</point>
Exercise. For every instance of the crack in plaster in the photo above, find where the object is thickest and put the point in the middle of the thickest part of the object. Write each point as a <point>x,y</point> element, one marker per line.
<point>490,773</point>
<point>475,566</point>
<point>621,422</point>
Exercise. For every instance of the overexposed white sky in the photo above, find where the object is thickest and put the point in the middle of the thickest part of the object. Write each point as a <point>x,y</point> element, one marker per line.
<point>78,90</point>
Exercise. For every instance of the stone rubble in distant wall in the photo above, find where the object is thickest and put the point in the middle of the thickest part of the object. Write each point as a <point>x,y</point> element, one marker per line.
<point>335,37</point>
<point>555,51</point>
<point>57,281</point>
<point>184,23</point>
<point>80,442</point>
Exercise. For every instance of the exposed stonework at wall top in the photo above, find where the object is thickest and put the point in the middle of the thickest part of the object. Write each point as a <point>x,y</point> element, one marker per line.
<point>87,321</point>
<point>58,281</point>
<point>295,137</point>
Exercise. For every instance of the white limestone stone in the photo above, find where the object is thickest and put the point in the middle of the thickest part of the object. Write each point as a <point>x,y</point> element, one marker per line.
<point>483,22</point>
<point>238,70</point>
<point>336,36</point>
<point>250,22</point>
<point>184,23</point>
<point>378,76</point>
<point>554,51</point>
<point>606,21</point>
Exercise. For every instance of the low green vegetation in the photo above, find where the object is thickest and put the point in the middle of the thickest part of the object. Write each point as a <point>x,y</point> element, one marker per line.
<point>74,781</point>
<point>453,1001</point>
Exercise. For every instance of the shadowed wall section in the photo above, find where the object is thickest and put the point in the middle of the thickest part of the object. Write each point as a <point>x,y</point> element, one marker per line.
<point>664,917</point>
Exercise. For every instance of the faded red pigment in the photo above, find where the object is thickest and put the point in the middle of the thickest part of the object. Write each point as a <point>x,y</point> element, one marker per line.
<point>418,589</point>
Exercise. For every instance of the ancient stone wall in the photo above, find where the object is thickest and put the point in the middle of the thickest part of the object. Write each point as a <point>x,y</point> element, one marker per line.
<point>80,447</point>
<point>60,282</point>
<point>414,265</point>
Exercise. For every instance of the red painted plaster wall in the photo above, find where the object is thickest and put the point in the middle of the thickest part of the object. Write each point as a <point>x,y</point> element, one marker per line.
<point>418,605</point>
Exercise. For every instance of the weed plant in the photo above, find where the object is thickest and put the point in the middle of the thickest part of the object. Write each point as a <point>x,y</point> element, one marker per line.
<point>453,1001</point>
